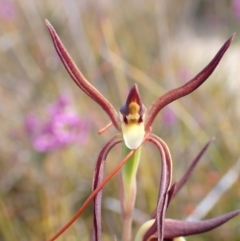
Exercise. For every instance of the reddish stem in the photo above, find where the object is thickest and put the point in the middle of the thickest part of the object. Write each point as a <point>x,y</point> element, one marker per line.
<point>104,128</point>
<point>94,193</point>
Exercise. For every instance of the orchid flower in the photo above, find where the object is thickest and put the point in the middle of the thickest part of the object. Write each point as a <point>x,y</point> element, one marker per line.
<point>134,125</point>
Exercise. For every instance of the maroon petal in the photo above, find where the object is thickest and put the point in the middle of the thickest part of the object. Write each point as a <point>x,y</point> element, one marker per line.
<point>177,228</point>
<point>186,89</point>
<point>79,79</point>
<point>184,179</point>
<point>171,192</point>
<point>133,97</point>
<point>169,197</point>
<point>97,179</point>
<point>165,182</point>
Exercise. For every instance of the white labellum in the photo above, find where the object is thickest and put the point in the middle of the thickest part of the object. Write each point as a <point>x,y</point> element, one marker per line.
<point>133,134</point>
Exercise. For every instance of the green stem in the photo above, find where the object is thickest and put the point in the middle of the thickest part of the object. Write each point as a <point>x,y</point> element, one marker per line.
<point>129,190</point>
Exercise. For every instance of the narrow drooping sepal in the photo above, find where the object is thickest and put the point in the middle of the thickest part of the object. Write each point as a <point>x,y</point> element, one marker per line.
<point>97,179</point>
<point>79,79</point>
<point>177,228</point>
<point>178,185</point>
<point>187,88</point>
<point>165,182</point>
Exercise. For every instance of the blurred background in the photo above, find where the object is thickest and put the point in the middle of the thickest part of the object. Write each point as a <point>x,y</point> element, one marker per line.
<point>49,141</point>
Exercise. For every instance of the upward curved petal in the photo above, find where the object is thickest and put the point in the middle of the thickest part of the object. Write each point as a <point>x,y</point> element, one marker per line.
<point>187,88</point>
<point>79,79</point>
<point>97,179</point>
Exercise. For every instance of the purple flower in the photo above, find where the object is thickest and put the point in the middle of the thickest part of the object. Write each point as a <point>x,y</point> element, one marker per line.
<point>184,73</point>
<point>169,117</point>
<point>62,127</point>
<point>7,10</point>
<point>31,124</point>
<point>61,103</point>
<point>236,8</point>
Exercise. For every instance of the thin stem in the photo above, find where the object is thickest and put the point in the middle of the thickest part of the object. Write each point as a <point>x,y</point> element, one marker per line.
<point>94,193</point>
<point>91,197</point>
<point>129,190</point>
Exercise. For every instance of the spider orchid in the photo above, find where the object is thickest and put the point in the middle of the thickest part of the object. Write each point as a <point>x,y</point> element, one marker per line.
<point>133,122</point>
<point>133,118</point>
